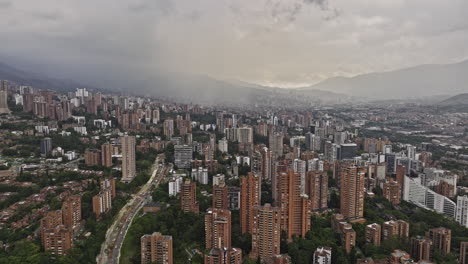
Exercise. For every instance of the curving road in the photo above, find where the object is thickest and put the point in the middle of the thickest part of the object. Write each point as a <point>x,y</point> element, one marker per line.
<point>110,248</point>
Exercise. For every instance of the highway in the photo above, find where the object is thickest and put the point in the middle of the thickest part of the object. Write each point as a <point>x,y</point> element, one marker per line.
<point>115,235</point>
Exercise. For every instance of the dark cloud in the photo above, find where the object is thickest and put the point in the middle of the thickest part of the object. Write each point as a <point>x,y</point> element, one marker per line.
<point>289,11</point>
<point>281,12</point>
<point>323,4</point>
<point>290,42</point>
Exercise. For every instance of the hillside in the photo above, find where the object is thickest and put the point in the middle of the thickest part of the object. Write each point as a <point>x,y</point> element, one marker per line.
<point>36,80</point>
<point>419,81</point>
<point>460,99</point>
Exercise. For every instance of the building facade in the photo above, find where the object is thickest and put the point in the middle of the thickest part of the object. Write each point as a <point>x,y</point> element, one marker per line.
<point>250,198</point>
<point>218,228</point>
<point>188,197</point>
<point>156,248</point>
<point>266,232</point>
<point>352,192</point>
<point>128,158</point>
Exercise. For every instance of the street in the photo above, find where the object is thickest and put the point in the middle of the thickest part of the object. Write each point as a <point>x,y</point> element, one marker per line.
<point>115,235</point>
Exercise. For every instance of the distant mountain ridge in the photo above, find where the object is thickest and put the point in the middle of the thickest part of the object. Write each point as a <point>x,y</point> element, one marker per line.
<point>184,88</point>
<point>36,80</point>
<point>459,99</point>
<point>423,81</point>
<point>419,81</point>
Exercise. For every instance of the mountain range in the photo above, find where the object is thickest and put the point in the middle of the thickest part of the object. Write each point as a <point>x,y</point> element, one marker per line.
<point>422,81</point>
<point>415,82</point>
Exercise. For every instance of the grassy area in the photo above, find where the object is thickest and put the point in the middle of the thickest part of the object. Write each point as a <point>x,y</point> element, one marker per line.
<point>187,231</point>
<point>129,249</point>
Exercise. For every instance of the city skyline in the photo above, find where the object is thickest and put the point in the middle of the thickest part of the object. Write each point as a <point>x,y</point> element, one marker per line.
<point>234,132</point>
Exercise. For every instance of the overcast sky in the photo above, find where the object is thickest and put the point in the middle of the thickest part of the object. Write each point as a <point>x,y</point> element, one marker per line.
<point>272,42</point>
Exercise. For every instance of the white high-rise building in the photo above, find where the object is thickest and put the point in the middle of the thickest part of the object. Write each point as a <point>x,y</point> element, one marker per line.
<point>200,175</point>
<point>411,151</point>
<point>387,149</point>
<point>183,156</point>
<point>422,196</point>
<point>299,166</point>
<point>174,185</point>
<point>322,255</point>
<point>462,211</point>
<point>223,145</point>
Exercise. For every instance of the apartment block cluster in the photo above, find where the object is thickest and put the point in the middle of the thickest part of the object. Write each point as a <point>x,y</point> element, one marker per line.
<point>421,248</point>
<point>102,202</point>
<point>58,228</point>
<point>299,154</point>
<point>297,172</point>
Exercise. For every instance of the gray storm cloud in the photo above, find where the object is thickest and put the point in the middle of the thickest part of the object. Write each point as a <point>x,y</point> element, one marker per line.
<point>272,42</point>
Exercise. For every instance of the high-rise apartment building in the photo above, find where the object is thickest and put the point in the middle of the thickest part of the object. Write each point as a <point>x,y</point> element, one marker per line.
<point>462,210</point>
<point>392,191</point>
<point>256,163</point>
<point>224,256</point>
<point>3,97</point>
<point>156,116</point>
<point>245,135</point>
<point>330,151</point>
<point>57,239</point>
<point>223,145</point>
<point>441,238</point>
<point>93,157</point>
<point>266,232</point>
<point>156,248</point>
<point>128,158</point>
<point>300,166</point>
<point>275,143</point>
<point>312,142</point>
<point>420,248</point>
<point>411,152</point>
<point>317,189</point>
<point>106,155</point>
<point>347,151</point>
<point>348,237</point>
<point>71,212</point>
<point>322,255</point>
<point>250,197</point>
<point>188,197</point>
<point>295,207</point>
<point>373,233</point>
<point>352,192</point>
<point>391,229</point>
<point>168,128</point>
<point>108,183</point>
<point>234,198</point>
<point>400,175</point>
<point>464,252</point>
<point>46,146</point>
<point>218,228</point>
<point>102,202</point>
<point>55,236</point>
<point>220,196</point>
<point>183,156</point>
<point>267,163</point>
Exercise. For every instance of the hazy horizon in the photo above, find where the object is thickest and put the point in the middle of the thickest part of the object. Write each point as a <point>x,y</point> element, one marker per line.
<point>287,43</point>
